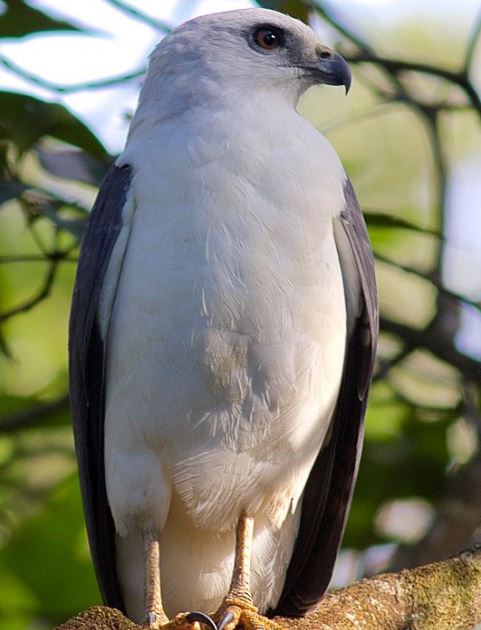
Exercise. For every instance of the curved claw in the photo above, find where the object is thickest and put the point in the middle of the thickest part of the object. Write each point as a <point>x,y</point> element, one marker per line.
<point>201,618</point>
<point>228,617</point>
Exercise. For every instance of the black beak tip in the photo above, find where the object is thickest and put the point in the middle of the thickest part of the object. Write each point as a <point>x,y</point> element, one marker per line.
<point>343,72</point>
<point>332,69</point>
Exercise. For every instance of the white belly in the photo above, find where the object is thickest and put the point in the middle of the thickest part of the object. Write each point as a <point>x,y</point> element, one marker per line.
<point>225,353</point>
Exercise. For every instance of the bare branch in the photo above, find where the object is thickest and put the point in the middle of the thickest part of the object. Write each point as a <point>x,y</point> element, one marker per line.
<point>155,23</point>
<point>40,296</point>
<point>328,16</point>
<point>398,66</point>
<point>33,416</point>
<point>68,89</point>
<point>433,278</point>
<point>385,366</point>
<point>436,341</point>
<point>21,258</point>
<point>473,40</point>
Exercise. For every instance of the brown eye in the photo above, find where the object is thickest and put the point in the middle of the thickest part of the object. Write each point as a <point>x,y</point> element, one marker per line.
<point>268,37</point>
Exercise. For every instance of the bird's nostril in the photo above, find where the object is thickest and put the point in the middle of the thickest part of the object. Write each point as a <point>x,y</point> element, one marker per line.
<point>326,54</point>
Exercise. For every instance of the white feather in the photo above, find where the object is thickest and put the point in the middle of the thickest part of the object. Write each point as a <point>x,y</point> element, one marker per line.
<point>225,339</point>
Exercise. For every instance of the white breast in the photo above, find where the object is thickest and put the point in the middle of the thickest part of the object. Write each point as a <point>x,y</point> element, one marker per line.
<point>225,345</point>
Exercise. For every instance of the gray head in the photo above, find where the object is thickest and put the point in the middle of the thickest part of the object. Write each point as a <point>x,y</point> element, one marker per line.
<point>239,53</point>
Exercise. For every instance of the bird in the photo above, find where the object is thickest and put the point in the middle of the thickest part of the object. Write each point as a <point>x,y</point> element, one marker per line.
<point>222,335</point>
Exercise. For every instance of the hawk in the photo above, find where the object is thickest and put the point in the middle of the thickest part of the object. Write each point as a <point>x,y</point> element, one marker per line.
<point>222,334</point>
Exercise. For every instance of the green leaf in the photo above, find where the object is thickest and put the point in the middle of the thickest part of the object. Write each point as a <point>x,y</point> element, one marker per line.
<point>294,8</point>
<point>21,19</point>
<point>381,220</point>
<point>49,560</point>
<point>26,119</point>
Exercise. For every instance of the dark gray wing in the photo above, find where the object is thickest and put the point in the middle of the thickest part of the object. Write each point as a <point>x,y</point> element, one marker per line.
<point>86,356</point>
<point>328,492</point>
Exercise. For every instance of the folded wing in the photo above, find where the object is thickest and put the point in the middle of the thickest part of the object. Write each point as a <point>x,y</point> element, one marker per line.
<point>328,492</point>
<point>87,367</point>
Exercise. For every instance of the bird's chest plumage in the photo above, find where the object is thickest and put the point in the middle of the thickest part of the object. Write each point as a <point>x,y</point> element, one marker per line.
<point>230,314</point>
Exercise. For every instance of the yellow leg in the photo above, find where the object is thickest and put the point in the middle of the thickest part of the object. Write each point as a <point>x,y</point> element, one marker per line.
<point>155,615</point>
<point>240,586</point>
<point>237,608</point>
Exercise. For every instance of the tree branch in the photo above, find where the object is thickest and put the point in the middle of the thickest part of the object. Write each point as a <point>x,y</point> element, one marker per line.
<point>41,295</point>
<point>473,40</point>
<point>32,416</point>
<point>445,595</point>
<point>432,278</point>
<point>398,66</point>
<point>435,341</point>
<point>68,89</point>
<point>22,258</point>
<point>140,16</point>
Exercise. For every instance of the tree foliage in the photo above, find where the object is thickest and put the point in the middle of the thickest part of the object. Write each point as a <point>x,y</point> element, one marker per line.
<point>411,124</point>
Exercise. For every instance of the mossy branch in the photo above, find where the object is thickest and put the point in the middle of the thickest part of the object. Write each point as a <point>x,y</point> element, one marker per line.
<point>444,595</point>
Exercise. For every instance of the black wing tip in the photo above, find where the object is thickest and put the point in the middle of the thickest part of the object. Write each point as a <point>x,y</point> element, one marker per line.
<point>293,606</point>
<point>86,376</point>
<point>324,515</point>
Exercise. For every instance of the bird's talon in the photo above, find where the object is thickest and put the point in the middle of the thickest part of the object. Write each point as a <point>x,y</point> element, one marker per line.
<point>201,617</point>
<point>151,621</point>
<point>228,618</point>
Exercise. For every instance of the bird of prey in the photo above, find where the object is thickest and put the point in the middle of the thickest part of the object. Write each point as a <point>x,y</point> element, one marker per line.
<point>222,335</point>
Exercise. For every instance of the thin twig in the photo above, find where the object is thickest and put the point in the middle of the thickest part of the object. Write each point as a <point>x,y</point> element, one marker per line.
<point>435,341</point>
<point>40,296</point>
<point>33,416</point>
<point>328,16</point>
<point>431,277</point>
<point>155,23</point>
<point>473,40</point>
<point>68,89</point>
<point>397,66</point>
<point>22,258</point>
<point>386,365</point>
<point>379,109</point>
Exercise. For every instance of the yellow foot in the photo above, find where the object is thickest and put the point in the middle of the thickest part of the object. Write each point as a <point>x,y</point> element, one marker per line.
<point>180,622</point>
<point>243,618</point>
<point>229,617</point>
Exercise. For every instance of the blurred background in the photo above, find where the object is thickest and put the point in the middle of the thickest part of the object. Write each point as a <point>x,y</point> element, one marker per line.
<point>409,134</point>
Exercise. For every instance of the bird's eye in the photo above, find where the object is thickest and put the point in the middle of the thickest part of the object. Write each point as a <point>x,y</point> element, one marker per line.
<point>269,37</point>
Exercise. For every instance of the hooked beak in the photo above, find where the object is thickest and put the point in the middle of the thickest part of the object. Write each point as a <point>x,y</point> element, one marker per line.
<point>330,68</point>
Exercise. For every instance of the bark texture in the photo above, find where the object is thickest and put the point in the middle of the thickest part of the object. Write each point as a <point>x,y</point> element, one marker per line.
<point>444,595</point>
